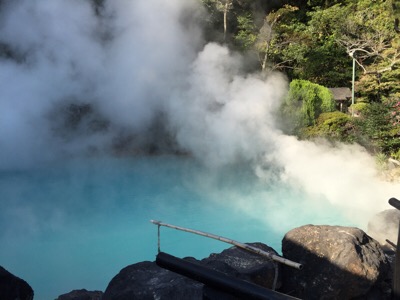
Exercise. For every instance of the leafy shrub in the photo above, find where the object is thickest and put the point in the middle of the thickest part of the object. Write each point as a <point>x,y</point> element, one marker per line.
<point>396,154</point>
<point>336,126</point>
<point>381,161</point>
<point>304,103</point>
<point>359,107</point>
<point>378,130</point>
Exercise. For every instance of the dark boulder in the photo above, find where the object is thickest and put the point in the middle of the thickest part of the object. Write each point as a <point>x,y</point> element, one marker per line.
<point>246,265</point>
<point>81,295</point>
<point>146,280</point>
<point>12,287</point>
<point>338,263</point>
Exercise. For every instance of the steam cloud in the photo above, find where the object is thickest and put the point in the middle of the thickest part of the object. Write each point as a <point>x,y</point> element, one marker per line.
<point>135,73</point>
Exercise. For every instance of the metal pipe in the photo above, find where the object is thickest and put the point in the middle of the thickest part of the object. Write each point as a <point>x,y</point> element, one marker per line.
<point>395,203</point>
<point>391,244</point>
<point>352,85</point>
<point>217,280</point>
<point>274,257</point>
<point>396,272</point>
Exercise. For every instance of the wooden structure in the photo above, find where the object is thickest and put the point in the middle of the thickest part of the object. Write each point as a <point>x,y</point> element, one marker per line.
<point>342,96</point>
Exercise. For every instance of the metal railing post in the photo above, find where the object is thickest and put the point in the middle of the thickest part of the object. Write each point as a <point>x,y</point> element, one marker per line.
<point>396,272</point>
<point>250,248</point>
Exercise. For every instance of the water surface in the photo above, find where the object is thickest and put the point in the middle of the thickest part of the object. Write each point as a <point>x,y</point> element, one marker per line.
<point>75,224</point>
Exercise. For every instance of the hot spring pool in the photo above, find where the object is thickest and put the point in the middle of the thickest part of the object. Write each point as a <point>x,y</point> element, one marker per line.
<point>75,224</point>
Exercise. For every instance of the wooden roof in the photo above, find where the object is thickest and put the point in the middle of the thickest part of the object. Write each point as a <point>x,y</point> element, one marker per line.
<point>341,93</point>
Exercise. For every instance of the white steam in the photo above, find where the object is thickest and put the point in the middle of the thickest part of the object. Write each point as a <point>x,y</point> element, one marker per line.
<point>124,62</point>
<point>345,176</point>
<point>137,62</point>
<point>224,116</point>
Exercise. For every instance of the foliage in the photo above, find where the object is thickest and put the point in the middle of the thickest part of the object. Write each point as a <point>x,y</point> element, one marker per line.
<point>381,161</point>
<point>226,20</point>
<point>358,108</point>
<point>326,64</point>
<point>334,126</point>
<point>378,129</point>
<point>314,42</point>
<point>268,41</point>
<point>396,154</point>
<point>395,113</point>
<point>247,31</point>
<point>265,39</point>
<point>304,103</point>
<point>362,29</point>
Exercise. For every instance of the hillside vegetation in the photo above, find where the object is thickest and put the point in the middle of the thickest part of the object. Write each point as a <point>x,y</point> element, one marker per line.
<point>315,43</point>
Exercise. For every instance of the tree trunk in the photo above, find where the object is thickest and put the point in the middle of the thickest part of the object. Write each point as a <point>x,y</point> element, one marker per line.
<point>226,8</point>
<point>265,60</point>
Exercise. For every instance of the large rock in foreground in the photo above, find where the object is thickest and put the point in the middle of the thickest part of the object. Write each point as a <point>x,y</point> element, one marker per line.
<point>146,280</point>
<point>339,263</point>
<point>12,287</point>
<point>82,294</point>
<point>245,265</point>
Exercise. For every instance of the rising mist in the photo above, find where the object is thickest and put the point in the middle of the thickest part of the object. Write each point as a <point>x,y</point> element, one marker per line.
<point>135,77</point>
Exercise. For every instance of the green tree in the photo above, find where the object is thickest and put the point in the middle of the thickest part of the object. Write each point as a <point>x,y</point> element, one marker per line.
<point>362,30</point>
<point>325,61</point>
<point>264,39</point>
<point>367,35</point>
<point>314,45</point>
<point>304,45</point>
<point>378,128</point>
<point>304,103</point>
<point>247,32</point>
<point>269,41</point>
<point>223,7</point>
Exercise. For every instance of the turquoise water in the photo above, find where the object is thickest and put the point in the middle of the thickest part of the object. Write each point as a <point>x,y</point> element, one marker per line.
<point>75,224</point>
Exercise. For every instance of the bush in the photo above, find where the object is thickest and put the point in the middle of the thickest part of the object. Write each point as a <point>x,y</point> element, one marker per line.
<point>378,130</point>
<point>358,108</point>
<point>336,126</point>
<point>304,103</point>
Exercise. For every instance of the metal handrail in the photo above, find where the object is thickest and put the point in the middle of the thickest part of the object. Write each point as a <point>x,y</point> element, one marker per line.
<point>247,247</point>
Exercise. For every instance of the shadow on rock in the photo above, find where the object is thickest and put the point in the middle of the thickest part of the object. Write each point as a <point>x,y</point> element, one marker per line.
<point>12,287</point>
<point>338,263</point>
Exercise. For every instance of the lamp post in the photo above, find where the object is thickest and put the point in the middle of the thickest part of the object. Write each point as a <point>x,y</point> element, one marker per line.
<point>352,82</point>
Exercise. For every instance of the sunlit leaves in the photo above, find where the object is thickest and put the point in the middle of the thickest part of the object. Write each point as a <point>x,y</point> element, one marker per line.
<point>304,103</point>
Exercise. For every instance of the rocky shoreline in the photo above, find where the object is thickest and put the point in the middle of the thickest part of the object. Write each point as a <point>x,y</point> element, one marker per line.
<point>339,263</point>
